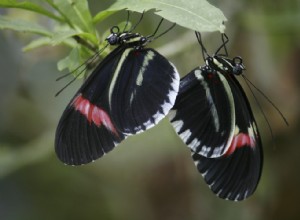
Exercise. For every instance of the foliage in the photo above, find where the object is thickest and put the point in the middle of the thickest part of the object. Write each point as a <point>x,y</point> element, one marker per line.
<point>76,27</point>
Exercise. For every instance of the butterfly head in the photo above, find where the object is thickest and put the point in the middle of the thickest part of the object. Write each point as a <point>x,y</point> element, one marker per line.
<point>238,66</point>
<point>226,65</point>
<point>114,36</point>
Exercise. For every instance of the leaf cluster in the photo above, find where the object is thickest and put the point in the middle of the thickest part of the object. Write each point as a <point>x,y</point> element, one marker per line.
<point>75,26</point>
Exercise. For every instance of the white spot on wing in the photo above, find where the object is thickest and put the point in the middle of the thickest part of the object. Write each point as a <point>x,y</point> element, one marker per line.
<point>185,135</point>
<point>251,135</point>
<point>246,194</point>
<point>147,124</point>
<point>176,78</point>
<point>148,57</point>
<point>217,151</point>
<point>177,125</point>
<point>157,117</point>
<point>205,150</point>
<point>210,100</point>
<point>194,144</point>
<point>236,198</point>
<point>198,74</point>
<point>236,130</point>
<point>232,111</point>
<point>166,107</point>
<point>205,173</point>
<point>116,73</point>
<point>227,198</point>
<point>212,184</point>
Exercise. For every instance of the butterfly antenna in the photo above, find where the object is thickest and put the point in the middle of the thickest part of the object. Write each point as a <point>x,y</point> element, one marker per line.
<point>69,83</point>
<point>127,21</point>
<point>260,108</point>
<point>159,24</point>
<point>166,31</point>
<point>274,106</point>
<point>225,40</point>
<point>134,27</point>
<point>92,58</point>
<point>203,49</point>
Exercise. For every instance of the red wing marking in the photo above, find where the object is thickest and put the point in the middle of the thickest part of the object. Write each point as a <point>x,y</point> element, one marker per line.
<point>240,140</point>
<point>210,75</point>
<point>93,113</point>
<point>136,53</point>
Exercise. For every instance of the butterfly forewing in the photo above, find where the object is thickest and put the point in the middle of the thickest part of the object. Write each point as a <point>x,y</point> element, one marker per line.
<point>203,115</point>
<point>143,91</point>
<point>79,141</point>
<point>86,130</point>
<point>235,175</point>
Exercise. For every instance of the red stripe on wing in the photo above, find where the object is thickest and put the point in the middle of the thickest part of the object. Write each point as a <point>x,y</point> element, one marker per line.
<point>93,113</point>
<point>240,140</point>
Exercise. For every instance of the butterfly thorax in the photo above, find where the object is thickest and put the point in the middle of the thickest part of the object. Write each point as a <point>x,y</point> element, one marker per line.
<point>127,39</point>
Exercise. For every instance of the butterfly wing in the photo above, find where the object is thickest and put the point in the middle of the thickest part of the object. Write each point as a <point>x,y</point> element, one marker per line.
<point>203,115</point>
<point>235,175</point>
<point>130,91</point>
<point>143,91</point>
<point>86,130</point>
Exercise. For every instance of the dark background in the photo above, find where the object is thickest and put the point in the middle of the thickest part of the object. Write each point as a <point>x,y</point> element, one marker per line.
<point>150,175</point>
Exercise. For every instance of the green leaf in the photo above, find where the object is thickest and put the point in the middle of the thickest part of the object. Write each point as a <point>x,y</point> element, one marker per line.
<point>76,12</point>
<point>102,15</point>
<point>90,37</point>
<point>197,15</point>
<point>42,41</point>
<point>23,26</point>
<point>27,5</point>
<point>72,62</point>
<point>60,36</point>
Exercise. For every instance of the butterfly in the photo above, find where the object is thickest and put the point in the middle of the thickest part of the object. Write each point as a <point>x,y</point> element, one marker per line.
<point>130,91</point>
<point>213,117</point>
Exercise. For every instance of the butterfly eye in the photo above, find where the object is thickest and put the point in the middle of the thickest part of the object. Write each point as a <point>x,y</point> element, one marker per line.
<point>115,30</point>
<point>143,40</point>
<point>238,60</point>
<point>112,39</point>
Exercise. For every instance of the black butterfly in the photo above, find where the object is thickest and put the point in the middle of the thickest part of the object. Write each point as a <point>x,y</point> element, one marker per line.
<point>213,117</point>
<point>130,91</point>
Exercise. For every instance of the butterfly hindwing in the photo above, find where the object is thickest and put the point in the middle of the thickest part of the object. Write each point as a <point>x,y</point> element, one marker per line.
<point>235,175</point>
<point>203,115</point>
<point>143,91</point>
<point>232,177</point>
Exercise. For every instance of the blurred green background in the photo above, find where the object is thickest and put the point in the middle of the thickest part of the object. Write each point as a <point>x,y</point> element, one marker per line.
<point>151,175</point>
